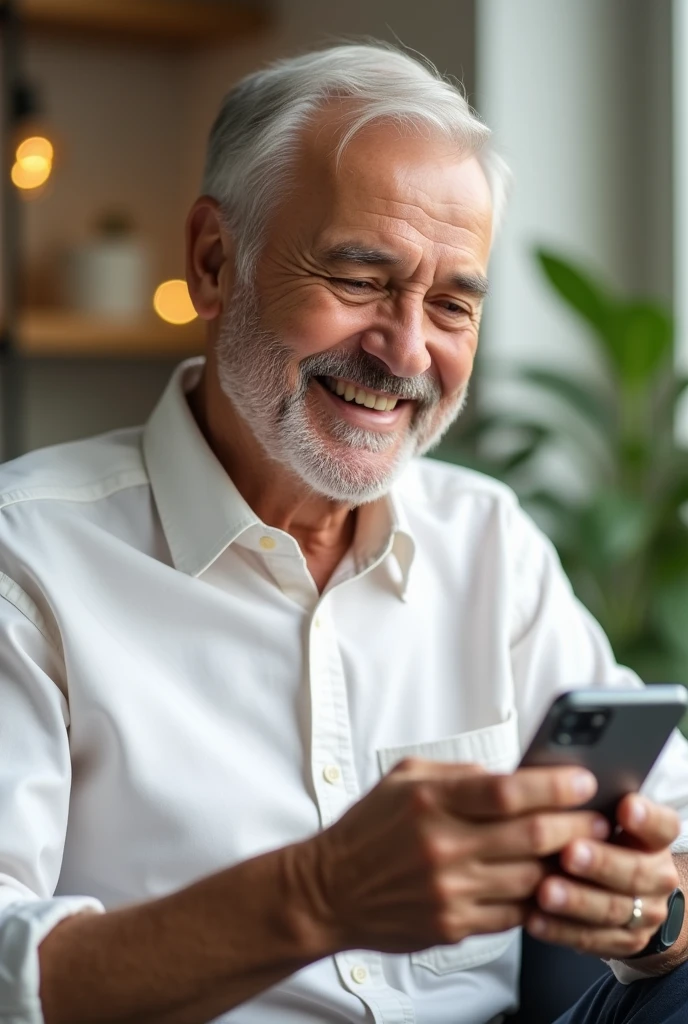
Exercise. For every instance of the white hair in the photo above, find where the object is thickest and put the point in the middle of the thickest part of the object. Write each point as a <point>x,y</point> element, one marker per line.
<point>254,140</point>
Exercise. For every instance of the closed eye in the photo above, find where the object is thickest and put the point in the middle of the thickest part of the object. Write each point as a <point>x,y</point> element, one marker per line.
<point>353,284</point>
<point>453,307</point>
<point>358,286</point>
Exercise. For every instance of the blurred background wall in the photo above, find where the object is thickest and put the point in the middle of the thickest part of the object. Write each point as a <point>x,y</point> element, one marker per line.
<point>579,93</point>
<point>580,96</point>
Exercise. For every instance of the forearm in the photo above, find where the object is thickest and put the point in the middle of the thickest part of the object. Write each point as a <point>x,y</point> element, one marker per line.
<point>186,958</point>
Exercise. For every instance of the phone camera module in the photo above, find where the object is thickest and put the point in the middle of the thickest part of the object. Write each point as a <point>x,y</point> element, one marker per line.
<point>581,728</point>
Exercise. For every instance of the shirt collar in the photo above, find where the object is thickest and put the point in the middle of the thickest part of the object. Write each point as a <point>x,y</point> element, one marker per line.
<point>200,509</point>
<point>383,528</point>
<point>202,512</point>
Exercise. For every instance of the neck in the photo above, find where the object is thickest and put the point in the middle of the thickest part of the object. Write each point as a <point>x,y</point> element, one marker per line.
<point>323,527</point>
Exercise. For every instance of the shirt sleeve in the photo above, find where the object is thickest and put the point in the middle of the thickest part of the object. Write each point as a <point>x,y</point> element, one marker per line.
<point>35,780</point>
<point>558,646</point>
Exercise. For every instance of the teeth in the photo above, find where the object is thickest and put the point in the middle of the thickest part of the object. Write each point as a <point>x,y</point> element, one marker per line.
<point>350,393</point>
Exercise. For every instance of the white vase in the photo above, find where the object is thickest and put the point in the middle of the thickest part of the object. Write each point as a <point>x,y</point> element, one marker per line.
<point>109,277</point>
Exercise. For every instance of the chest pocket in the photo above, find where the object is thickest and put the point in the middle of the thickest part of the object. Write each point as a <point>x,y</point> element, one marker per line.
<point>496,747</point>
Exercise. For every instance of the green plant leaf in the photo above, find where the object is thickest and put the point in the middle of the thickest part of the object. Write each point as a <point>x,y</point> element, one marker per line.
<point>614,528</point>
<point>578,289</point>
<point>668,395</point>
<point>669,554</point>
<point>670,612</point>
<point>640,336</point>
<point>482,425</point>
<point>586,399</point>
<point>626,550</point>
<point>522,455</point>
<point>670,481</point>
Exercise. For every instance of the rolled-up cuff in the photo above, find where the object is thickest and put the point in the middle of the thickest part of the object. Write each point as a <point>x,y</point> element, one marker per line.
<point>681,844</point>
<point>627,974</point>
<point>23,926</point>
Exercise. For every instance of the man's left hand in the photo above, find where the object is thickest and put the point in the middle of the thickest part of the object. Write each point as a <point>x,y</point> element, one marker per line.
<point>589,908</point>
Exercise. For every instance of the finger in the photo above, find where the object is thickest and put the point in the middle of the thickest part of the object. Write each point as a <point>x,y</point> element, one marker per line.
<point>654,826</point>
<point>495,883</point>
<point>538,835</point>
<point>477,902</point>
<point>610,943</point>
<point>620,869</point>
<point>418,769</point>
<point>563,897</point>
<point>526,790</point>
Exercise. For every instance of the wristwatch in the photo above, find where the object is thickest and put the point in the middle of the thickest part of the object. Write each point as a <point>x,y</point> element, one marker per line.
<point>667,933</point>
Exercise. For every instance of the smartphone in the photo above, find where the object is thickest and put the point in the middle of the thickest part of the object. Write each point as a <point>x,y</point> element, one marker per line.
<point>616,734</point>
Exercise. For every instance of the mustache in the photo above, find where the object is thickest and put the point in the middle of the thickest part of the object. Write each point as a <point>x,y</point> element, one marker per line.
<point>369,373</point>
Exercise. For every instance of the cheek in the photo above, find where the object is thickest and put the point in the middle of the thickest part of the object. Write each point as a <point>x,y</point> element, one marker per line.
<point>314,321</point>
<point>454,361</point>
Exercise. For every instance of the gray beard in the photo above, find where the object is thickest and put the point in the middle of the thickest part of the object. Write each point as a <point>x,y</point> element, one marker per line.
<point>254,371</point>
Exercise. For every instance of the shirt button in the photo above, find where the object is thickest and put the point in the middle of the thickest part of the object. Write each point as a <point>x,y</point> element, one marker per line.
<point>332,773</point>
<point>267,543</point>
<point>359,974</point>
<point>316,622</point>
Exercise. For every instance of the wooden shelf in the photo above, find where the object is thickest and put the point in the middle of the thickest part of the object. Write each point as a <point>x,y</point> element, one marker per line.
<point>162,21</point>
<point>55,333</point>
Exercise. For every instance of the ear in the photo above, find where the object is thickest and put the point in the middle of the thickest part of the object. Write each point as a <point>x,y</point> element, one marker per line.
<point>209,258</point>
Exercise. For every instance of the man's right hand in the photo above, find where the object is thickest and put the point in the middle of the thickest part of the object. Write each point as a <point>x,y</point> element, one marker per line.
<point>432,854</point>
<point>438,852</point>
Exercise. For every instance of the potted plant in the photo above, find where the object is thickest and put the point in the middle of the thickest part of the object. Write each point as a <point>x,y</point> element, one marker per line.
<point>623,540</point>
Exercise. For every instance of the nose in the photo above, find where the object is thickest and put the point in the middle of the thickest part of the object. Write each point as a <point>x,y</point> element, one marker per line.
<point>400,343</point>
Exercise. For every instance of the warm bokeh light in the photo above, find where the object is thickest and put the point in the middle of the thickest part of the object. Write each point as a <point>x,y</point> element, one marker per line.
<point>172,302</point>
<point>34,162</point>
<point>35,149</point>
<point>31,177</point>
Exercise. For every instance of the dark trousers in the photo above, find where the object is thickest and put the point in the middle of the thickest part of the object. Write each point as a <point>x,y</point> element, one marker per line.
<point>655,1001</point>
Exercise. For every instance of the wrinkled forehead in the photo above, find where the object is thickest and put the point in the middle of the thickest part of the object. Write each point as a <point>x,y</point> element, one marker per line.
<point>395,180</point>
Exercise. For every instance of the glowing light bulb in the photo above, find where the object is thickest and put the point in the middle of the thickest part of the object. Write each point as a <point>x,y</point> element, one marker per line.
<point>31,177</point>
<point>172,302</point>
<point>33,149</point>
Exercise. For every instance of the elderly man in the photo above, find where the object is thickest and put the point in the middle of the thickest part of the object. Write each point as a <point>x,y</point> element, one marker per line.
<point>264,674</point>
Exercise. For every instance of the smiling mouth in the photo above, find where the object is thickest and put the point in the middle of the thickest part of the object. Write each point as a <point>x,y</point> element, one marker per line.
<point>349,392</point>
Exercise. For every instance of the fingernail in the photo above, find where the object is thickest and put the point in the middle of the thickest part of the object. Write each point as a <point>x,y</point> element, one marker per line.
<point>638,812</point>
<point>581,855</point>
<point>556,894</point>
<point>584,785</point>
<point>600,828</point>
<point>537,926</point>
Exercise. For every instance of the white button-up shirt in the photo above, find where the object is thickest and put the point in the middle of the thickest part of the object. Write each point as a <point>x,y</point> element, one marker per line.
<point>176,696</point>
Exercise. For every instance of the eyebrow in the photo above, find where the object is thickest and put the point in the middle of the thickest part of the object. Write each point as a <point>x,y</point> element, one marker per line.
<point>365,256</point>
<point>362,255</point>
<point>474,284</point>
